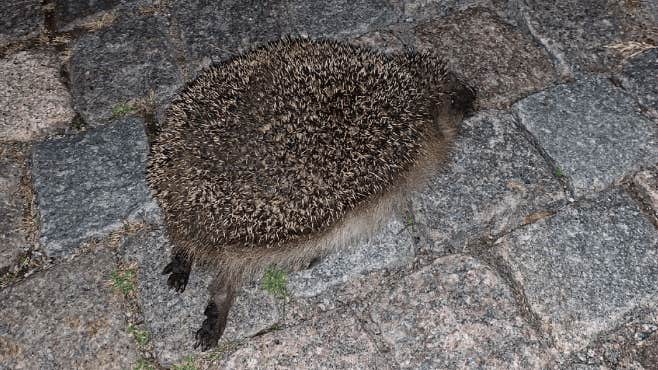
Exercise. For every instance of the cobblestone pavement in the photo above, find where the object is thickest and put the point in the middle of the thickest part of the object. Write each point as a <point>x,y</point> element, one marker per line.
<point>535,248</point>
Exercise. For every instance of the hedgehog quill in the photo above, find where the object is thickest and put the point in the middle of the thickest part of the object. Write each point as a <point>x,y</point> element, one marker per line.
<point>291,151</point>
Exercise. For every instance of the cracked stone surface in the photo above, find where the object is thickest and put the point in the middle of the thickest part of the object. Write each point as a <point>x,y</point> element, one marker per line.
<point>532,247</point>
<point>501,61</point>
<point>21,19</point>
<point>640,78</point>
<point>632,345</point>
<point>582,34</point>
<point>647,183</point>
<point>454,313</point>
<point>592,130</point>
<point>335,341</point>
<point>12,235</point>
<point>390,247</point>
<point>218,30</point>
<point>492,182</point>
<point>66,317</point>
<point>419,10</point>
<point>90,184</point>
<point>317,18</point>
<point>33,101</point>
<point>67,11</point>
<point>142,64</point>
<point>585,267</point>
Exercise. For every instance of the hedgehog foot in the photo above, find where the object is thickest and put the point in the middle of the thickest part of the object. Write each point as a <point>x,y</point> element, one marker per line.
<point>179,269</point>
<point>221,300</point>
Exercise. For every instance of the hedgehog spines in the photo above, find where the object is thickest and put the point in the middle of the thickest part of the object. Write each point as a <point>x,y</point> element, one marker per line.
<point>273,148</point>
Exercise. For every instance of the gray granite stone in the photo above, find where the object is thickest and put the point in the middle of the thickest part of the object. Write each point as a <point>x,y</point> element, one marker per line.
<point>89,184</point>
<point>337,19</point>
<point>67,11</point>
<point>494,180</point>
<point>21,19</point>
<point>454,313</point>
<point>120,64</point>
<point>12,234</point>
<point>592,130</point>
<point>499,60</point>
<point>581,34</point>
<point>646,182</point>
<point>218,30</point>
<point>388,248</point>
<point>387,41</point>
<point>173,318</point>
<point>419,10</point>
<point>640,78</point>
<point>584,268</point>
<point>33,102</point>
<point>67,317</point>
<point>333,341</point>
<point>633,344</point>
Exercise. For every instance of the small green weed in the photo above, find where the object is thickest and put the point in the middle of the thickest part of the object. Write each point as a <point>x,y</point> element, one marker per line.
<point>275,282</point>
<point>122,110</point>
<point>187,365</point>
<point>124,280</point>
<point>144,364</point>
<point>558,172</point>
<point>142,337</point>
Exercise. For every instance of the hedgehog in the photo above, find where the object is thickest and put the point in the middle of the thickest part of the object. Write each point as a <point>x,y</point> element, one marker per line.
<point>292,150</point>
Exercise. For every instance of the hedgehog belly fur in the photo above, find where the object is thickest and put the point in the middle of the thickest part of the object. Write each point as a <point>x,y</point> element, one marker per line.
<point>298,148</point>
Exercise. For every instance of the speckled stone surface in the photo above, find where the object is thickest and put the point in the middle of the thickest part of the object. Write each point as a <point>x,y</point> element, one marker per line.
<point>33,101</point>
<point>454,313</point>
<point>335,341</point>
<point>640,78</point>
<point>582,35</point>
<point>67,317</point>
<point>12,233</point>
<point>585,267</point>
<point>521,252</point>
<point>631,345</point>
<point>67,11</point>
<point>592,130</point>
<point>646,183</point>
<point>141,58</point>
<point>22,19</point>
<point>390,247</point>
<point>501,61</point>
<point>90,184</point>
<point>491,183</point>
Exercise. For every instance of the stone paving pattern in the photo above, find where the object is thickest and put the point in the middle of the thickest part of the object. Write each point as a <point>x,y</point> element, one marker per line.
<point>535,247</point>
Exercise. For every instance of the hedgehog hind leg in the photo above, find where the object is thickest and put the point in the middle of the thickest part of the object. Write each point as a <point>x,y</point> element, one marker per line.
<point>179,271</point>
<point>222,293</point>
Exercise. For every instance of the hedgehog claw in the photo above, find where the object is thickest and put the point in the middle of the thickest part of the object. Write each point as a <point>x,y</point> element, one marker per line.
<point>178,281</point>
<point>179,269</point>
<point>206,337</point>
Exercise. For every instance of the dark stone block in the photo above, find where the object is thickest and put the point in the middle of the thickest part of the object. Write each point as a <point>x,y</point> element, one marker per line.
<point>130,60</point>
<point>21,19</point>
<point>88,185</point>
<point>69,10</point>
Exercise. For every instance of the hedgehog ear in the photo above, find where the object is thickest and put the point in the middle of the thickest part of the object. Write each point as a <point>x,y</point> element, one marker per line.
<point>463,100</point>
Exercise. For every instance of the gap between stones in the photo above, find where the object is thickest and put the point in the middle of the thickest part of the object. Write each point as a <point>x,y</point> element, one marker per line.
<point>552,164</point>
<point>563,69</point>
